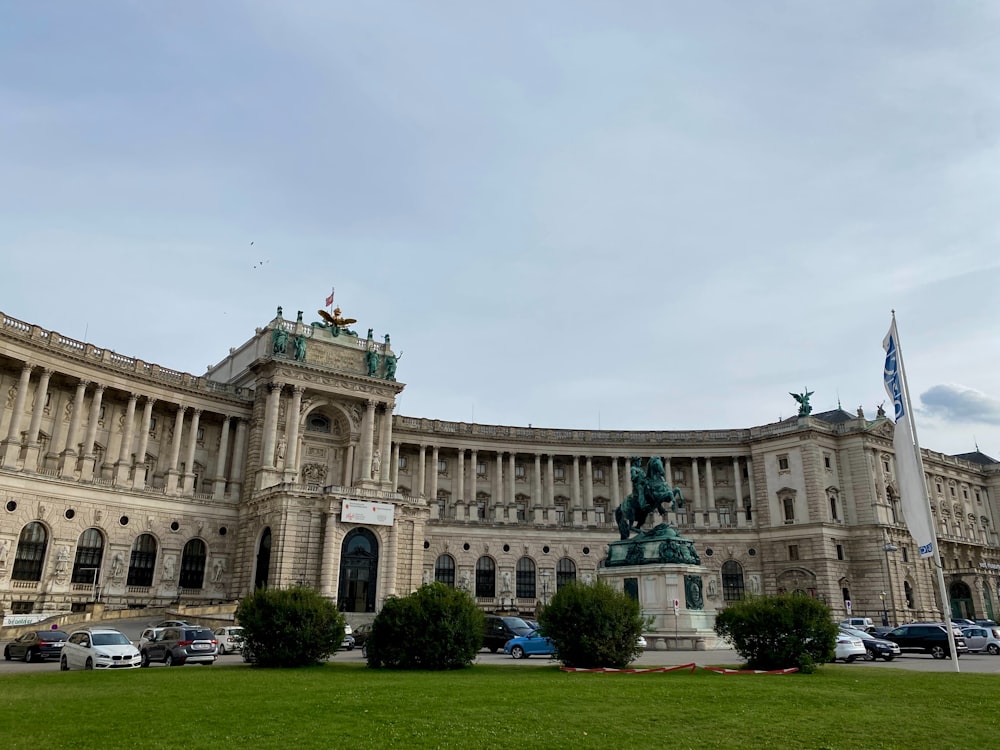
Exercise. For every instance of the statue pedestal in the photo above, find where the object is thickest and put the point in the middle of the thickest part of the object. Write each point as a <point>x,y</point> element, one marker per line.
<point>689,626</point>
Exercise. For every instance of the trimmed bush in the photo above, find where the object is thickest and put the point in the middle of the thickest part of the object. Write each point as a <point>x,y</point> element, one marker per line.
<point>435,627</point>
<point>593,625</point>
<point>779,632</point>
<point>293,627</point>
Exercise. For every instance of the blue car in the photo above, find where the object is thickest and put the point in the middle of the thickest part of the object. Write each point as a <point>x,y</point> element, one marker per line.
<point>532,644</point>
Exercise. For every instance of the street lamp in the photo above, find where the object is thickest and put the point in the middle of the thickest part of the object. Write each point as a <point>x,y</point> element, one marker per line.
<point>885,612</point>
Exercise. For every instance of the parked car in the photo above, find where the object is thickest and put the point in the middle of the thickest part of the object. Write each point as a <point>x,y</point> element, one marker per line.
<point>147,635</point>
<point>172,624</point>
<point>962,622</point>
<point>348,642</point>
<point>532,644</point>
<point>641,642</point>
<point>858,623</point>
<point>36,645</point>
<point>361,634</point>
<point>98,648</point>
<point>986,623</point>
<point>498,630</point>
<point>875,647</point>
<point>849,647</point>
<point>176,646</point>
<point>927,638</point>
<point>979,638</point>
<point>230,639</point>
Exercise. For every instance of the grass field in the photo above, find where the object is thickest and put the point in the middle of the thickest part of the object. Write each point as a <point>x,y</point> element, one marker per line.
<point>527,706</point>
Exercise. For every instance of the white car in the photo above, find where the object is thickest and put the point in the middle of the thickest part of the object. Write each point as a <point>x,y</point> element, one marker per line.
<point>99,648</point>
<point>849,648</point>
<point>230,639</point>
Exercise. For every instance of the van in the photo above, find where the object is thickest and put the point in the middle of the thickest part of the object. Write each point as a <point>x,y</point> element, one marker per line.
<point>859,623</point>
<point>498,630</point>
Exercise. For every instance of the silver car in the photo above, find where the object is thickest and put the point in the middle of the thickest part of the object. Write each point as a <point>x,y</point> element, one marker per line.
<point>230,639</point>
<point>981,638</point>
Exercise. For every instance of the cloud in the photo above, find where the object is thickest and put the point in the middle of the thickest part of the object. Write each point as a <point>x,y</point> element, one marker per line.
<point>956,403</point>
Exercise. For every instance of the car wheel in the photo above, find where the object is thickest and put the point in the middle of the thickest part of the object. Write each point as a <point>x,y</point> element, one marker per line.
<point>222,649</point>
<point>63,664</point>
<point>169,659</point>
<point>850,659</point>
<point>144,659</point>
<point>29,656</point>
<point>993,649</point>
<point>517,652</point>
<point>938,652</point>
<point>890,657</point>
<point>89,664</point>
<point>6,653</point>
<point>870,654</point>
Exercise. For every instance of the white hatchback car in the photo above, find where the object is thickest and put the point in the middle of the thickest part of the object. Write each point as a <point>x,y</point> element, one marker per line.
<point>98,648</point>
<point>230,639</point>
<point>849,648</point>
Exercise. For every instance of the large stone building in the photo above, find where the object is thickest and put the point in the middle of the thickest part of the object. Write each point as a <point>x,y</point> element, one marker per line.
<point>138,485</point>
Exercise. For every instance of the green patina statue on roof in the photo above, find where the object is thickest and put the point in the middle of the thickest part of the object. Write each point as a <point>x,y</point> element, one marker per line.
<point>805,409</point>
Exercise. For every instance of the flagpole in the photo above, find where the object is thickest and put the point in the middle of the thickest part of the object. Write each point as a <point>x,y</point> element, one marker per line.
<point>912,423</point>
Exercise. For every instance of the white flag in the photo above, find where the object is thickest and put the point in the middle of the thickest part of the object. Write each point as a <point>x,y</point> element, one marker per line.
<point>916,511</point>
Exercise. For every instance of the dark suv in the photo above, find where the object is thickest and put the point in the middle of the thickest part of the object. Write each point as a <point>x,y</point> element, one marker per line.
<point>926,638</point>
<point>175,646</point>
<point>498,630</point>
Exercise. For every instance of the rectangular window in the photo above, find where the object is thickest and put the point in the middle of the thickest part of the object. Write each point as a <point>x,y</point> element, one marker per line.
<point>840,551</point>
<point>965,494</point>
<point>560,514</point>
<point>678,475</point>
<point>793,552</point>
<point>938,485</point>
<point>442,466</point>
<point>152,424</point>
<point>519,471</point>
<point>402,463</point>
<point>827,463</point>
<point>598,473</point>
<point>906,554</point>
<point>885,465</point>
<point>521,513</point>
<point>559,472</point>
<point>21,608</point>
<point>952,490</point>
<point>978,498</point>
<point>480,469</point>
<point>782,463</point>
<point>481,511</point>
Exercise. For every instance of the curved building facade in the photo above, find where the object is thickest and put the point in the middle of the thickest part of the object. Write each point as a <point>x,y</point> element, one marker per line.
<point>138,485</point>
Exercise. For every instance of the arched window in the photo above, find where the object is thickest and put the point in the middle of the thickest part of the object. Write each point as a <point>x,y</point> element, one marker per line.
<point>565,572</point>
<point>30,556</point>
<point>193,564</point>
<point>89,552</point>
<point>732,581</point>
<point>486,578</point>
<point>143,562</point>
<point>263,566</point>
<point>525,578</point>
<point>444,570</point>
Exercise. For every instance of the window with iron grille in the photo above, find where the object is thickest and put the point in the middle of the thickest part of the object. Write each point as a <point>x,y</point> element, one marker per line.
<point>732,581</point>
<point>142,562</point>
<point>30,555</point>
<point>525,578</point>
<point>565,572</point>
<point>444,570</point>
<point>193,564</point>
<point>486,578</point>
<point>89,552</point>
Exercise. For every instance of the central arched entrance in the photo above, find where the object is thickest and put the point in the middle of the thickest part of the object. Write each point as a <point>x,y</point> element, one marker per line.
<point>961,600</point>
<point>358,572</point>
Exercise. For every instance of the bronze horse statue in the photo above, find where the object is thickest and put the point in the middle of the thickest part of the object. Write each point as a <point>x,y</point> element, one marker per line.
<point>650,491</point>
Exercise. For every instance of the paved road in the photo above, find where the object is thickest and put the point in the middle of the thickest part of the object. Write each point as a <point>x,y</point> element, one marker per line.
<point>980,663</point>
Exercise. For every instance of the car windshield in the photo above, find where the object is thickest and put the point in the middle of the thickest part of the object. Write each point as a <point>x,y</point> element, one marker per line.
<point>516,624</point>
<point>110,639</point>
<point>204,634</point>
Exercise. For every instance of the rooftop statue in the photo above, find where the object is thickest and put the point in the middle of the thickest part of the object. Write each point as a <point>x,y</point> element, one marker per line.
<point>805,409</point>
<point>335,322</point>
<point>279,339</point>
<point>371,362</point>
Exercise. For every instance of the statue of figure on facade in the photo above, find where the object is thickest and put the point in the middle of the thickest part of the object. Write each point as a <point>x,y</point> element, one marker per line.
<point>371,362</point>
<point>299,346</point>
<point>650,492</point>
<point>62,560</point>
<point>370,332</point>
<point>390,365</point>
<point>805,409</point>
<point>279,339</point>
<point>881,411</point>
<point>279,451</point>
<point>376,463</point>
<point>219,569</point>
<point>117,565</point>
<point>4,552</point>
<point>754,584</point>
<point>168,569</point>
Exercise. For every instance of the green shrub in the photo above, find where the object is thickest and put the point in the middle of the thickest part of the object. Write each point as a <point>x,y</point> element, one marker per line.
<point>292,627</point>
<point>435,627</point>
<point>779,632</point>
<point>593,625</point>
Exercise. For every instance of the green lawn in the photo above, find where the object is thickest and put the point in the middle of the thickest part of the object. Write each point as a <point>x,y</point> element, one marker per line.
<point>523,706</point>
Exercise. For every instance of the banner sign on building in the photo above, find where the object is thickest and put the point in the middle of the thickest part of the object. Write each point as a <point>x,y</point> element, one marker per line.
<point>377,514</point>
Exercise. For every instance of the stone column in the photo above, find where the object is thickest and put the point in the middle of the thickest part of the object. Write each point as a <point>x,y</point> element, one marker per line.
<point>668,471</point>
<point>421,472</point>
<point>89,457</point>
<point>536,489</point>
<point>616,489</point>
<point>270,429</point>
<point>575,484</point>
<point>710,483</point>
<point>394,478</point>
<point>496,514</point>
<point>349,466</point>
<point>219,483</point>
<point>329,569</point>
<point>753,494</point>
<point>512,489</point>
<point>125,451</point>
<point>391,563</point>
<point>460,476</point>
<point>67,462</point>
<point>175,451</point>
<point>385,475</point>
<point>738,487</point>
<point>192,444</point>
<point>435,457</point>
<point>367,440</point>
<point>696,483</point>
<point>12,445</point>
<point>292,415</point>
<point>239,458</point>
<point>550,485</point>
<point>474,484</point>
<point>41,394</point>
<point>588,485</point>
<point>628,476</point>
<point>50,461</point>
<point>139,476</point>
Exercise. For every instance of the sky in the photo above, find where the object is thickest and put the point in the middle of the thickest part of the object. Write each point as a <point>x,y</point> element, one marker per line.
<point>647,215</point>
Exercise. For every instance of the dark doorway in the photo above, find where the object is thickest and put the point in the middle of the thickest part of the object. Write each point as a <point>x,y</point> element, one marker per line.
<point>263,560</point>
<point>358,572</point>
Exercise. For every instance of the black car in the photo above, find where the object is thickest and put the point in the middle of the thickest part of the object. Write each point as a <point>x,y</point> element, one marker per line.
<point>875,647</point>
<point>926,638</point>
<point>498,630</point>
<point>36,645</point>
<point>361,635</point>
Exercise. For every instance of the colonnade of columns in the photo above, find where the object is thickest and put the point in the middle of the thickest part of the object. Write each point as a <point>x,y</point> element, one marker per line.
<point>582,487</point>
<point>72,448</point>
